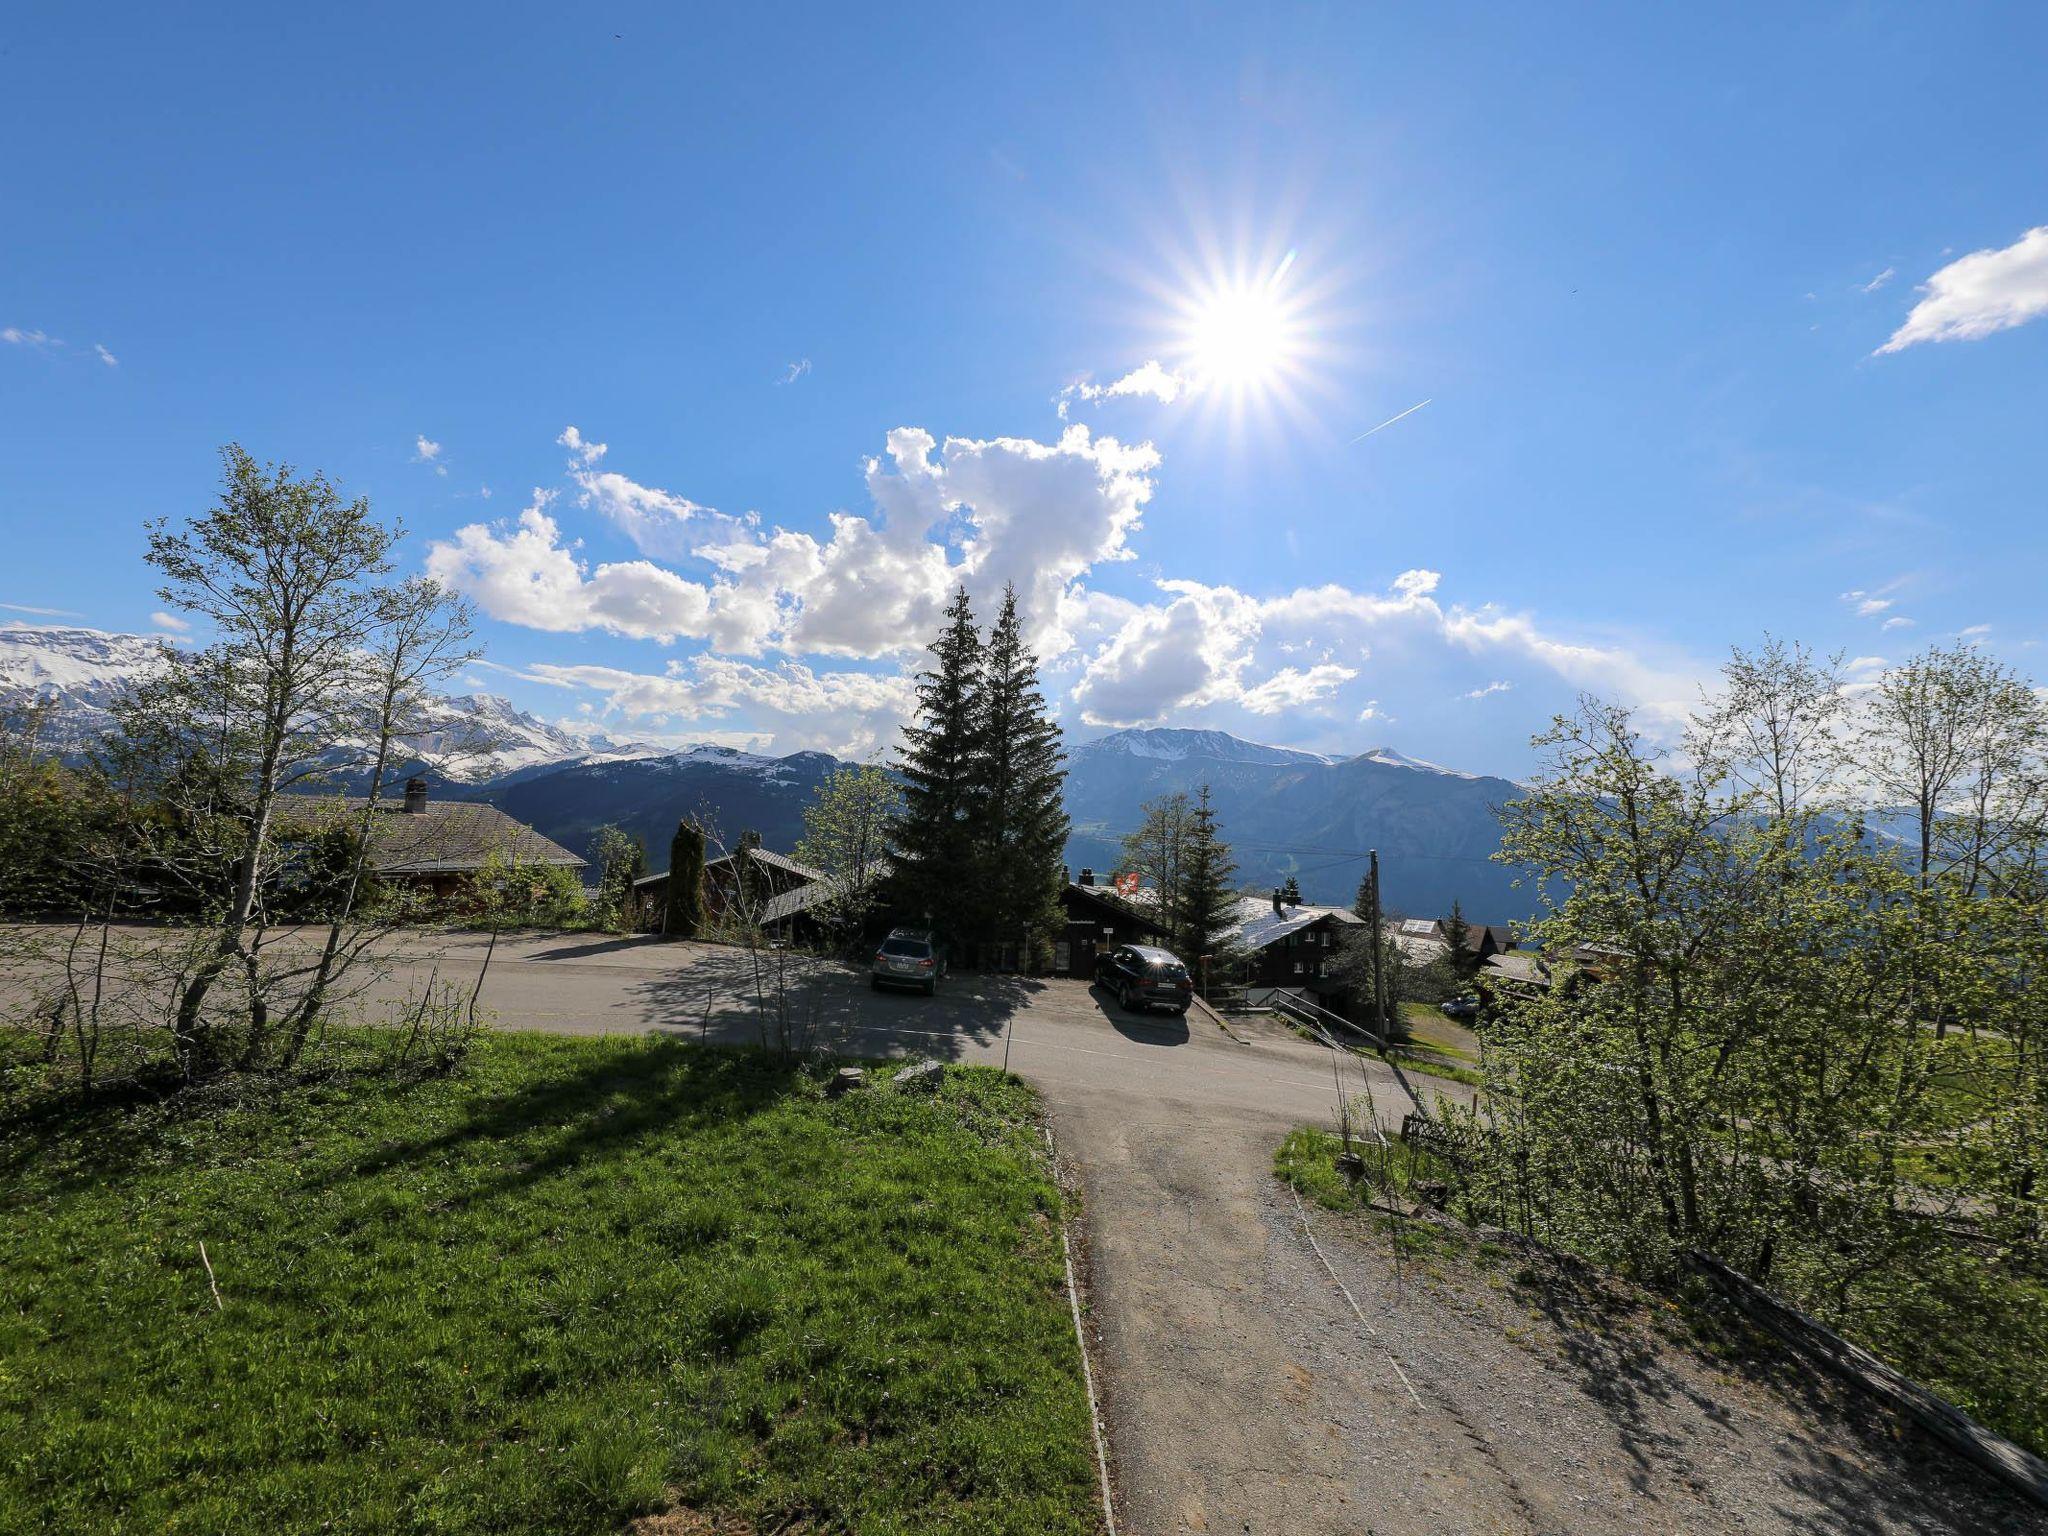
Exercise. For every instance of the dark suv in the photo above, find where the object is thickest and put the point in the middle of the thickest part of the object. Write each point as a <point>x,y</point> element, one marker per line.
<point>1142,977</point>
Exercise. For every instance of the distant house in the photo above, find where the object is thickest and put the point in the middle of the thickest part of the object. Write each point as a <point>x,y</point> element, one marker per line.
<point>1290,944</point>
<point>1099,919</point>
<point>435,845</point>
<point>1424,939</point>
<point>770,880</point>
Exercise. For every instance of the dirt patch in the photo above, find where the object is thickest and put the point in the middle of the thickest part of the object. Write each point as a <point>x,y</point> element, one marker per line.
<point>688,1522</point>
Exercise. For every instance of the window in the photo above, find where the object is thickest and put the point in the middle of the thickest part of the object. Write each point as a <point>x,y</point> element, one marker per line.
<point>1299,967</point>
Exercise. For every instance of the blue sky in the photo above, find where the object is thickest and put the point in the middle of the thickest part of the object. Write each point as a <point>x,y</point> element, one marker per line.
<point>845,299</point>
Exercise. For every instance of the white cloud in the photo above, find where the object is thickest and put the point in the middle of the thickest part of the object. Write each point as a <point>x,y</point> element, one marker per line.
<point>1974,629</point>
<point>1149,379</point>
<point>1878,281</point>
<point>1896,621</point>
<point>1197,651</point>
<point>15,336</point>
<point>1868,605</point>
<point>586,452</point>
<point>795,371</point>
<point>425,450</point>
<point>1487,692</point>
<point>171,622</point>
<point>1981,293</point>
<point>1293,688</point>
<point>525,575</point>
<point>42,613</point>
<point>848,713</point>
<point>105,356</point>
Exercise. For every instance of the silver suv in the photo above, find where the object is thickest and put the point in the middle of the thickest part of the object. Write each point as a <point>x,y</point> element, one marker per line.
<point>909,957</point>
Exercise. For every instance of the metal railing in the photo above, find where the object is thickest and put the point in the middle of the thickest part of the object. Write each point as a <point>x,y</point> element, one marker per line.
<point>1318,1018</point>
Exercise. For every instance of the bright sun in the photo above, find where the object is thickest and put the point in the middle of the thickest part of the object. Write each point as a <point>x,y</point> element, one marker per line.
<point>1242,336</point>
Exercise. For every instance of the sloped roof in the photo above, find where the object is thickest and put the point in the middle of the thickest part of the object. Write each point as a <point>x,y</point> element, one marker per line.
<point>448,837</point>
<point>1259,925</point>
<point>1113,903</point>
<point>763,856</point>
<point>1515,965</point>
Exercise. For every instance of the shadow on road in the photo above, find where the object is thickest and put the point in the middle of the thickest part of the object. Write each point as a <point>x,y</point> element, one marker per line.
<point>1141,1028</point>
<point>609,946</point>
<point>770,997</point>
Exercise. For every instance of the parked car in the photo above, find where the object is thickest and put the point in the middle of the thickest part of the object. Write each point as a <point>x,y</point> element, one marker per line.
<point>1142,977</point>
<point>909,957</point>
<point>1463,1009</point>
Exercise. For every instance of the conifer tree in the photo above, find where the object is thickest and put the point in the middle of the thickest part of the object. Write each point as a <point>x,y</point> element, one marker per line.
<point>1458,935</point>
<point>684,914</point>
<point>932,835</point>
<point>1018,817</point>
<point>1207,917</point>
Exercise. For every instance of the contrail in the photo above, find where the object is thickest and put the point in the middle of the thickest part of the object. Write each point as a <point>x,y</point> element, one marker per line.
<point>1390,421</point>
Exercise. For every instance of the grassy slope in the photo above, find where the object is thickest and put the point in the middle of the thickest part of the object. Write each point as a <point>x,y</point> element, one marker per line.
<point>585,1278</point>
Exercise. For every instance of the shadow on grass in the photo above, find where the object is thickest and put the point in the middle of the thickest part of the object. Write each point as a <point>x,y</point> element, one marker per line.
<point>613,1095</point>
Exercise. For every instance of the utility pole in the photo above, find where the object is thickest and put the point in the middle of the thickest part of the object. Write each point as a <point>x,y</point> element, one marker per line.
<point>1379,938</point>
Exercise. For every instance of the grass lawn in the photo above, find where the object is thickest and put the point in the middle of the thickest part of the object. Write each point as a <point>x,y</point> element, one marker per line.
<point>585,1280</point>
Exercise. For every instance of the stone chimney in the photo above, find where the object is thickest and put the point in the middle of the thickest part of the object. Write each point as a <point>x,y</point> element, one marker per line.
<point>415,796</point>
<point>1279,906</point>
<point>1087,877</point>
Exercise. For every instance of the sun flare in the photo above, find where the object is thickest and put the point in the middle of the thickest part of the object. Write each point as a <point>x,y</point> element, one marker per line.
<point>1242,335</point>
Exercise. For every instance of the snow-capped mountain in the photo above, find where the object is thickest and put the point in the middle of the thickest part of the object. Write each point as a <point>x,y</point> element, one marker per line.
<point>1170,744</point>
<point>77,673</point>
<point>471,738</point>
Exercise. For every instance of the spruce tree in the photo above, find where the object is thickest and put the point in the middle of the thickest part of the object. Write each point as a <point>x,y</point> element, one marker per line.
<point>1458,934</point>
<point>1361,904</point>
<point>934,865</point>
<point>1207,917</point>
<point>1018,816</point>
<point>684,914</point>
<point>1290,893</point>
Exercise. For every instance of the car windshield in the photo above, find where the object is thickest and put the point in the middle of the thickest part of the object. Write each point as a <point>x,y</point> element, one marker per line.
<point>913,947</point>
<point>1168,970</point>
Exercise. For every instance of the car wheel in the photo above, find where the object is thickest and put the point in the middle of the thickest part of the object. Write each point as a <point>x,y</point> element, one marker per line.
<point>1123,999</point>
<point>1180,1013</point>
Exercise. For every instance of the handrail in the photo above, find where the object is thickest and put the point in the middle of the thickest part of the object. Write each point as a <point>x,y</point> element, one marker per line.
<point>1319,1017</point>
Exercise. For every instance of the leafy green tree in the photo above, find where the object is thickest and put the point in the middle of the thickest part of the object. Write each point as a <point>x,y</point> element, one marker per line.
<point>621,859</point>
<point>683,916</point>
<point>1206,914</point>
<point>1017,819</point>
<point>846,834</point>
<point>932,839</point>
<point>507,891</point>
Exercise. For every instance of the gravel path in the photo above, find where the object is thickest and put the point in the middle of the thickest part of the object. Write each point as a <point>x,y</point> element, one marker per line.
<point>1244,1395</point>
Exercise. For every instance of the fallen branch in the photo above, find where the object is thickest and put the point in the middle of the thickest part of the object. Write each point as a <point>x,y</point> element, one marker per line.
<point>218,1305</point>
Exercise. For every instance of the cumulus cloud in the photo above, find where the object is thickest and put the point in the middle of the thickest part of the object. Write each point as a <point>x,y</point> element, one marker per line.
<point>1487,692</point>
<point>983,513</point>
<point>848,713</point>
<point>172,623</point>
<point>1197,649</point>
<point>1979,294</point>
<point>425,450</point>
<point>1149,379</point>
<point>524,574</point>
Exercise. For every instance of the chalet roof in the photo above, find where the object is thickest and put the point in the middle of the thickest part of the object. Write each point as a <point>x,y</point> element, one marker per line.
<point>767,858</point>
<point>444,837</point>
<point>1518,965</point>
<point>1109,903</point>
<point>1258,925</point>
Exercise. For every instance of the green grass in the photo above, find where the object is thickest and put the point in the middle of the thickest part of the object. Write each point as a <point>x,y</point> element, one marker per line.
<point>1307,1160</point>
<point>585,1280</point>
